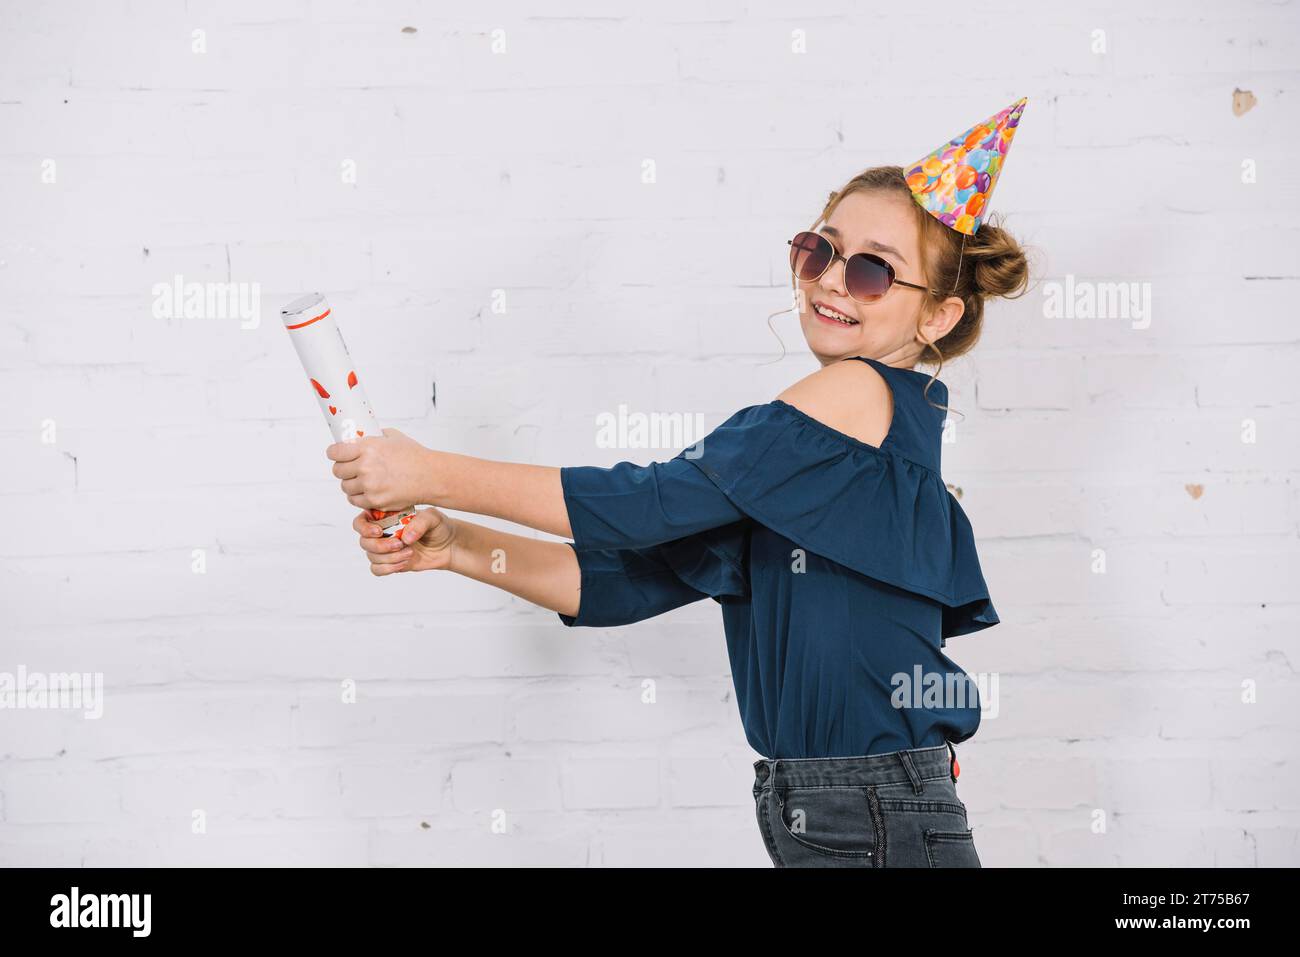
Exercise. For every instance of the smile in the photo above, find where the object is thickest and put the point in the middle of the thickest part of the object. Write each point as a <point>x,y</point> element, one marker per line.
<point>830,315</point>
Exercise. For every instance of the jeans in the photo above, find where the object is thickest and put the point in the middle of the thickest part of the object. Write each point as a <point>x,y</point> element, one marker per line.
<point>898,809</point>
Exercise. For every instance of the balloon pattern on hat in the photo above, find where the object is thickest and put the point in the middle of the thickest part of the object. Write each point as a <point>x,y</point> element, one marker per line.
<point>955,182</point>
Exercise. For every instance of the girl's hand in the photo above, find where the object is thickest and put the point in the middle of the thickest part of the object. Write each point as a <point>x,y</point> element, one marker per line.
<point>388,472</point>
<point>424,544</point>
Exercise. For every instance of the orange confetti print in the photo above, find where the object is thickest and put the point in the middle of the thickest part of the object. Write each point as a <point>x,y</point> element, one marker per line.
<point>320,389</point>
<point>352,380</point>
<point>360,433</point>
<point>334,410</point>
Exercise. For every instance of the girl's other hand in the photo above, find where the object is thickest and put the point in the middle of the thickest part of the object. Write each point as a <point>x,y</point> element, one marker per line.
<point>424,544</point>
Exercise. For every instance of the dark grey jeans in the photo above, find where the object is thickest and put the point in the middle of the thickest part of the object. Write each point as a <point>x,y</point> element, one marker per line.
<point>883,810</point>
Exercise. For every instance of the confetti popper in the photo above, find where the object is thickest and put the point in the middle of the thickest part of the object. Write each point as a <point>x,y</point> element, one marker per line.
<point>334,382</point>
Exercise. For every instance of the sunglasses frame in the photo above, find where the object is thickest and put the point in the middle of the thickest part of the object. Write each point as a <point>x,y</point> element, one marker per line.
<point>870,257</point>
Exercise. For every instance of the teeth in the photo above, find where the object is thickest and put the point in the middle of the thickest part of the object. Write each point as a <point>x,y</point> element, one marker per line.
<point>832,314</point>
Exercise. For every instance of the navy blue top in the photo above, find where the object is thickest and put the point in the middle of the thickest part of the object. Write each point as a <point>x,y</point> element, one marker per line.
<point>842,568</point>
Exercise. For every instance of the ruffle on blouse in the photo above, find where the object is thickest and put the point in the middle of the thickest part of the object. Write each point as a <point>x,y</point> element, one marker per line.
<point>872,510</point>
<point>712,561</point>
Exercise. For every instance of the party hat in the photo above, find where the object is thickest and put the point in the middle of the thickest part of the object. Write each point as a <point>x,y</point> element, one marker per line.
<point>954,183</point>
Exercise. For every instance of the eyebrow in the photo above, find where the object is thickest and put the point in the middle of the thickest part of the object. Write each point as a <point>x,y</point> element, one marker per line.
<point>871,244</point>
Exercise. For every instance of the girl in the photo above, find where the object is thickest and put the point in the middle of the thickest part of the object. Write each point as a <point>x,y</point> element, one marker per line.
<point>818,521</point>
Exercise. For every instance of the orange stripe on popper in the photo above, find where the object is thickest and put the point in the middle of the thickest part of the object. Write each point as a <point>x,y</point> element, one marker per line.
<point>320,389</point>
<point>352,380</point>
<point>310,321</point>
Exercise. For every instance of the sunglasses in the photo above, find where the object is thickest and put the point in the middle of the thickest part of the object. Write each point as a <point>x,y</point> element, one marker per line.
<point>867,277</point>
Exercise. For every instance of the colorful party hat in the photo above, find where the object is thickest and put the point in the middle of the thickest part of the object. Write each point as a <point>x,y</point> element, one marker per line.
<point>955,182</point>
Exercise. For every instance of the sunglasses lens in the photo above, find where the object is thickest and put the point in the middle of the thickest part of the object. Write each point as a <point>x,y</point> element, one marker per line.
<point>867,278</point>
<point>810,253</point>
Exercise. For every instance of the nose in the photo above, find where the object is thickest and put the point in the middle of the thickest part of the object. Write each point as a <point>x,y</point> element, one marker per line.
<point>828,279</point>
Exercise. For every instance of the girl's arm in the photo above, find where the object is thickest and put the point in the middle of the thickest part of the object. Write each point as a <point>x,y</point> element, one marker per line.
<point>529,495</point>
<point>600,587</point>
<point>624,506</point>
<point>378,471</point>
<point>544,573</point>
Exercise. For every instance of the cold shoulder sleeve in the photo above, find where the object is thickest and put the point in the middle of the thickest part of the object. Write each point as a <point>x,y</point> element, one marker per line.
<point>683,523</point>
<point>873,510</point>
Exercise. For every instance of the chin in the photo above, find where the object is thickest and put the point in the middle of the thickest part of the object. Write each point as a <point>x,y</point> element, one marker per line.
<point>828,348</point>
<point>837,340</point>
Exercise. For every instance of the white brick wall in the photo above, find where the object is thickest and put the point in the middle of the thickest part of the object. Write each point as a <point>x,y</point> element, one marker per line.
<point>1119,693</point>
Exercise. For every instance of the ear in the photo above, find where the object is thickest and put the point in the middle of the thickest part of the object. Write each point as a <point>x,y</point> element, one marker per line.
<point>939,322</point>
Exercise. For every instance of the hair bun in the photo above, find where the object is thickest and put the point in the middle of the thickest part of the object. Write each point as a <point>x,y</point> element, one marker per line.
<point>1000,265</point>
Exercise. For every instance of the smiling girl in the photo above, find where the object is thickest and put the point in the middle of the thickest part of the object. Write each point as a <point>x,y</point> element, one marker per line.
<point>819,522</point>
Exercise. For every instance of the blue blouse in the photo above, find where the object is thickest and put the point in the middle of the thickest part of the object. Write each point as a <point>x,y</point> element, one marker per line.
<point>842,569</point>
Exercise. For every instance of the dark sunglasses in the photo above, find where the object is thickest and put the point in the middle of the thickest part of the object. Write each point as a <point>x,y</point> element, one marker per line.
<point>867,277</point>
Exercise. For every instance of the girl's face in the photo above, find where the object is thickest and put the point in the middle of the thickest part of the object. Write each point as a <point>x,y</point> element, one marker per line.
<point>880,223</point>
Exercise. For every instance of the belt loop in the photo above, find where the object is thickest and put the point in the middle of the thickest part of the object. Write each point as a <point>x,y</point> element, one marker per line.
<point>906,758</point>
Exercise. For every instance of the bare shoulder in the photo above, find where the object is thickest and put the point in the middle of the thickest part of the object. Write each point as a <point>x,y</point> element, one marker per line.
<point>849,396</point>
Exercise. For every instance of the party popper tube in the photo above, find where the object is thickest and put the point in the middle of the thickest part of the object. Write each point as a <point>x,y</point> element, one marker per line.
<point>333,377</point>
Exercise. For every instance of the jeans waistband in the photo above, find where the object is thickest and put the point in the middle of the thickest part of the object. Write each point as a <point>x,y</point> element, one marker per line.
<point>893,767</point>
